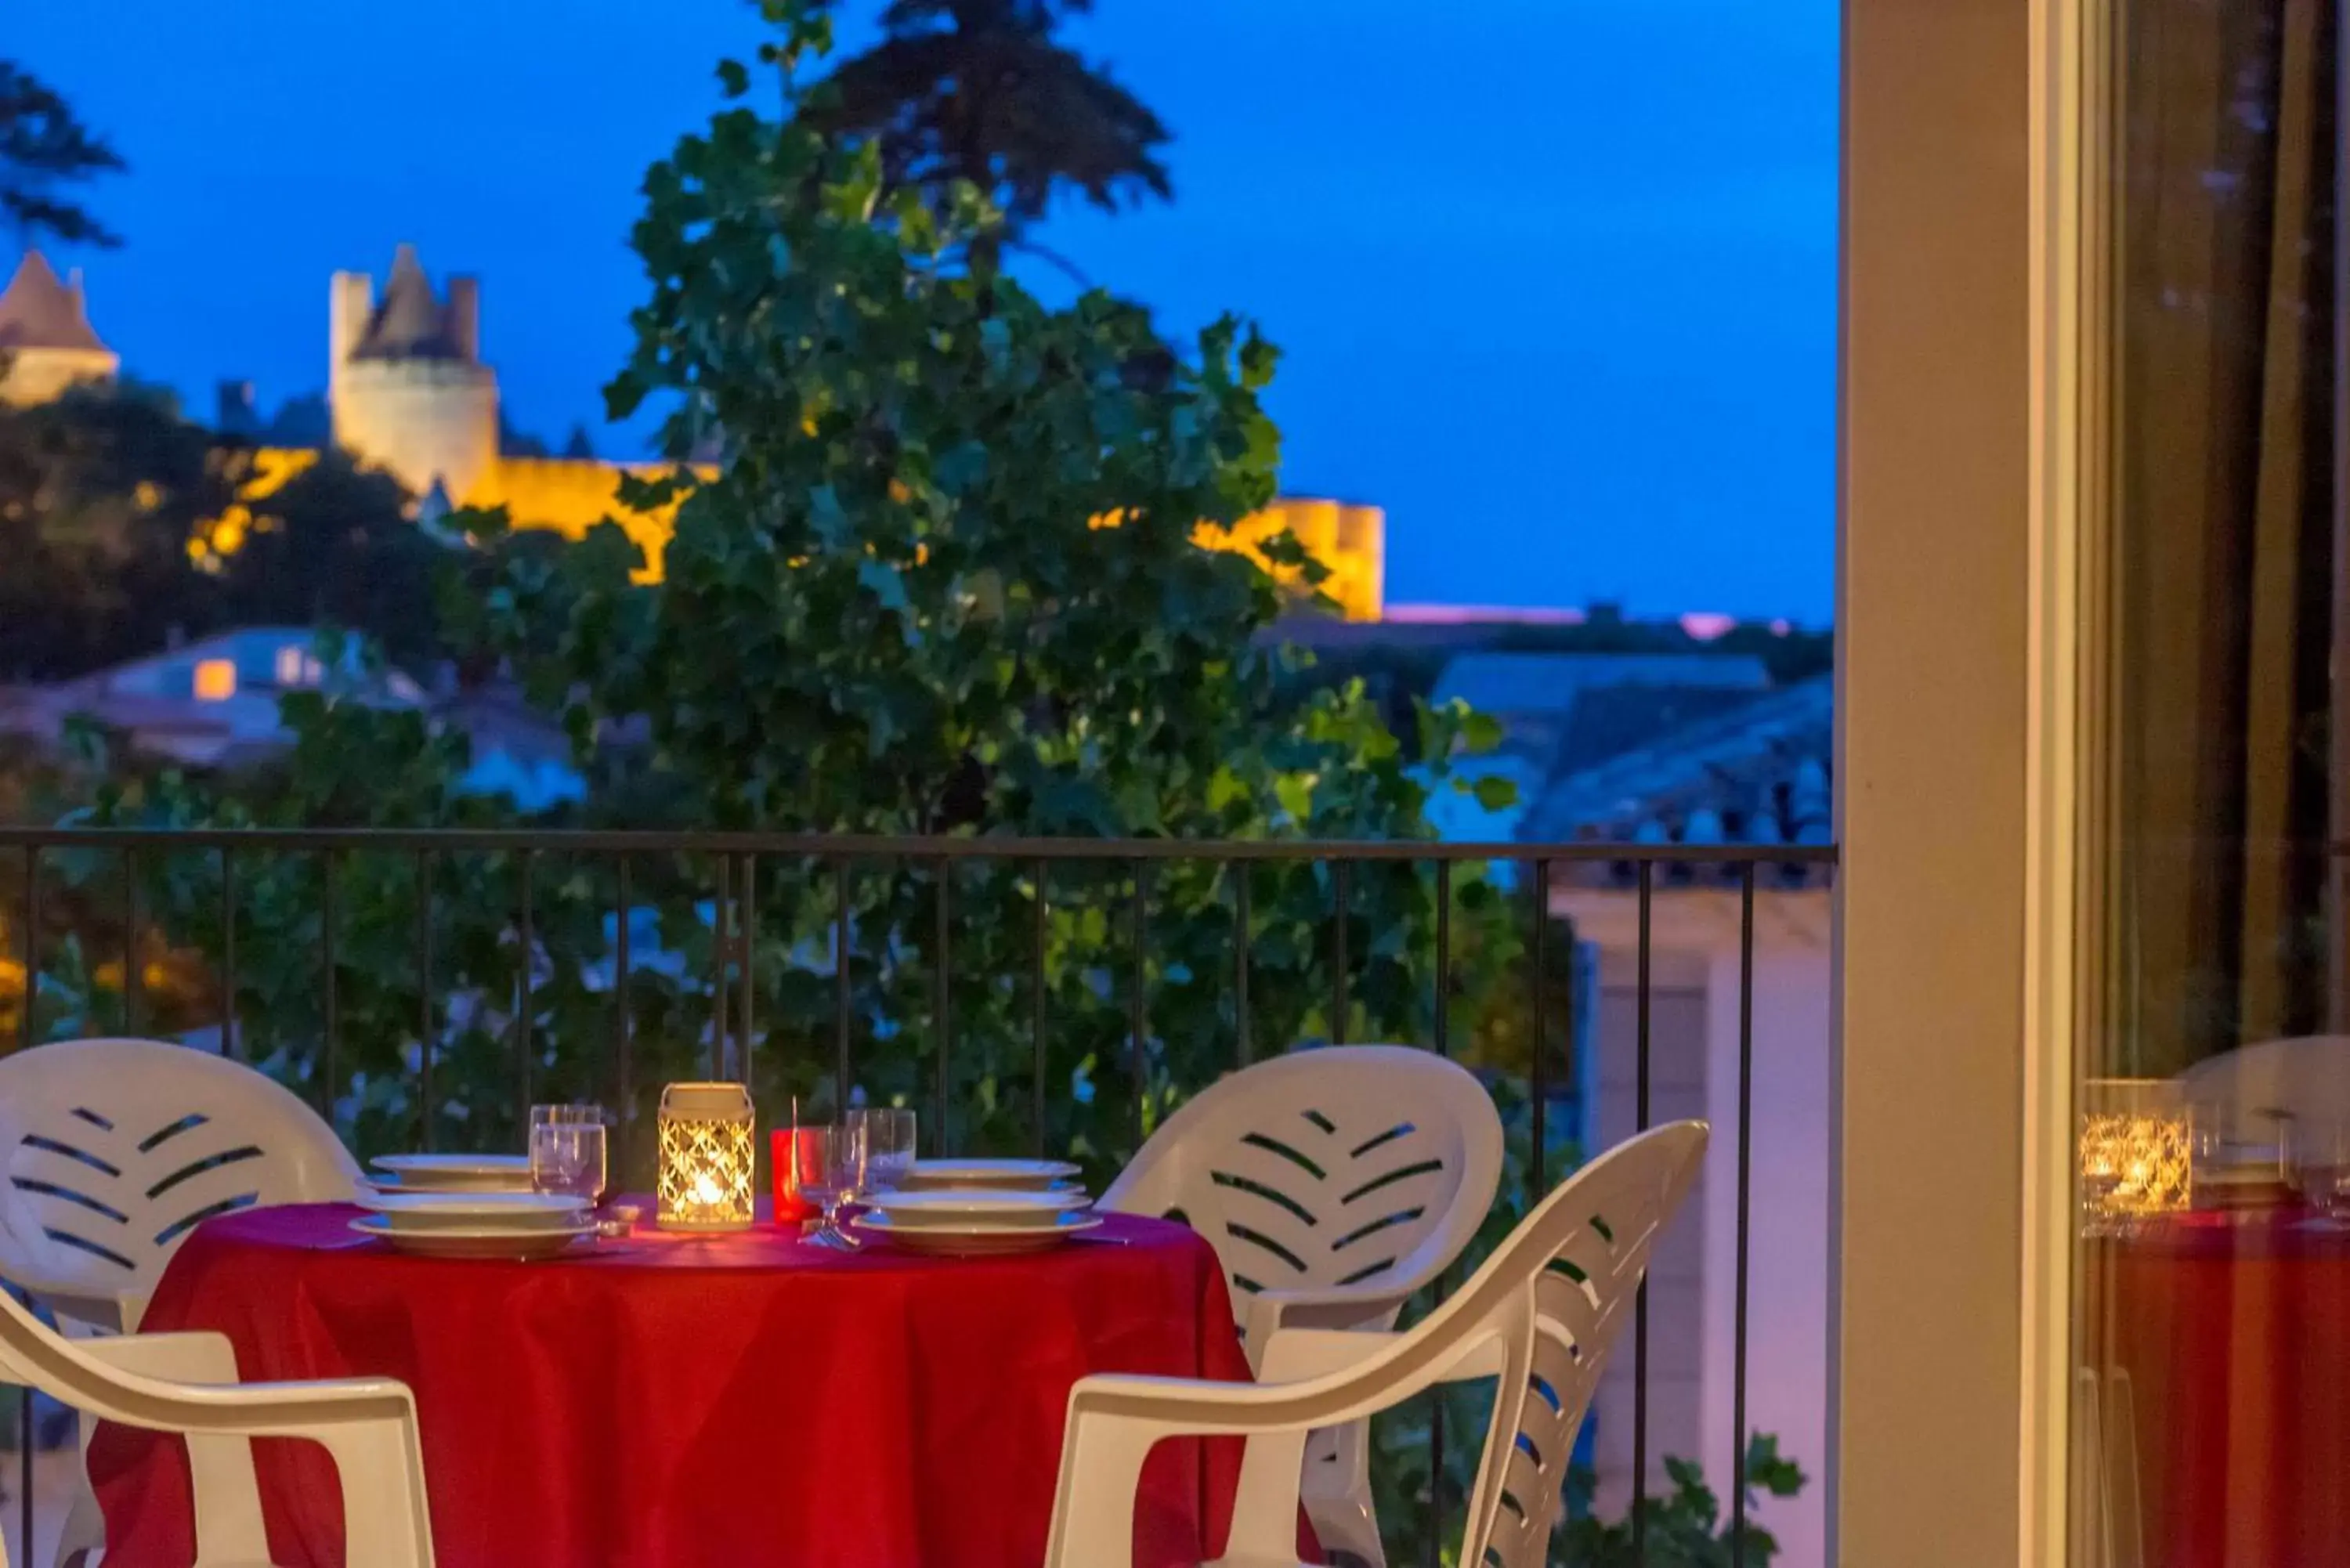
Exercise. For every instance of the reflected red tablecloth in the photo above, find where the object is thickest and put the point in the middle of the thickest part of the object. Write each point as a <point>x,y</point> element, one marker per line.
<point>2235,1332</point>
<point>673,1402</point>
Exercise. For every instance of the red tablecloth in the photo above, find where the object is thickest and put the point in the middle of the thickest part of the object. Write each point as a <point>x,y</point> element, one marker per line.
<point>673,1402</point>
<point>2235,1332</point>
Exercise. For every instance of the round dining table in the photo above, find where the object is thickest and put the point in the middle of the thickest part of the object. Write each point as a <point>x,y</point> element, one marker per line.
<point>682,1401</point>
<point>2232,1330</point>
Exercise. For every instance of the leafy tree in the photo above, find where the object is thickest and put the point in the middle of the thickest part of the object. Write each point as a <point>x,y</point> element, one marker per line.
<point>100,491</point>
<point>44,149</point>
<point>944,582</point>
<point>334,545</point>
<point>980,92</point>
<point>1684,1528</point>
<point>124,524</point>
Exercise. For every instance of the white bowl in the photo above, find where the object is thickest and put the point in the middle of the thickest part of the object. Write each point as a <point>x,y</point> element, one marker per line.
<point>935,1208</point>
<point>456,1172</point>
<point>475,1242</point>
<point>1035,1175</point>
<point>458,1210</point>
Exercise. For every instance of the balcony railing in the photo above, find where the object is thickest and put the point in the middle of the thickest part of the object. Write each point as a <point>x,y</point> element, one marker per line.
<point>806,961</point>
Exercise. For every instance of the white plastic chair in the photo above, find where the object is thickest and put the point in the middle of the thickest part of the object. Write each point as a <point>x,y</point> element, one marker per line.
<point>186,1383</point>
<point>120,1148</point>
<point>2108,1525</point>
<point>1334,1184</point>
<point>112,1151</point>
<point>2256,1093</point>
<point>1539,1317</point>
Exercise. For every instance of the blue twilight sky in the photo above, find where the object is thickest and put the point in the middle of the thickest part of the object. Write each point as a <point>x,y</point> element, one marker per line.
<point>1555,278</point>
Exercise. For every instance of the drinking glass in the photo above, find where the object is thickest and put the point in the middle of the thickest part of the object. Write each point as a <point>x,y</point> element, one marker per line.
<point>568,1150</point>
<point>827,1167</point>
<point>800,1159</point>
<point>2322,1154</point>
<point>884,1140</point>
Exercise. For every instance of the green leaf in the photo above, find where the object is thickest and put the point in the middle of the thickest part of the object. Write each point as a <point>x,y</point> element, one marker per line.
<point>1258,358</point>
<point>1496,793</point>
<point>883,582</point>
<point>831,522</point>
<point>734,79</point>
<point>1295,793</point>
<point>961,468</point>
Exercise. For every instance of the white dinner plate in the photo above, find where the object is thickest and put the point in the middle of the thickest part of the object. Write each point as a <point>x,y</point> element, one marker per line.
<point>475,1242</point>
<point>457,1172</point>
<point>459,1211</point>
<point>946,1206</point>
<point>1033,1174</point>
<point>974,1238</point>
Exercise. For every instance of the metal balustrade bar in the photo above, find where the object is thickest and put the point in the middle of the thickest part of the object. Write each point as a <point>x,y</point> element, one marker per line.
<point>732,863</point>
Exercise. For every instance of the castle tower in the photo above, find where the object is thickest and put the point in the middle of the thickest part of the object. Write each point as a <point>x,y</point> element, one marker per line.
<point>45,336</point>
<point>405,378</point>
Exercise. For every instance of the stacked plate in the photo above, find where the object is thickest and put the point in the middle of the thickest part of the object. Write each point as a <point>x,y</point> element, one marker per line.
<point>1025,1175</point>
<point>969,1222</point>
<point>451,1173</point>
<point>475,1224</point>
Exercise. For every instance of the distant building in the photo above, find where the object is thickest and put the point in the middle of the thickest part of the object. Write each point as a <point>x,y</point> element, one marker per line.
<point>46,340</point>
<point>409,391</point>
<point>1562,713</point>
<point>214,704</point>
<point>1744,767</point>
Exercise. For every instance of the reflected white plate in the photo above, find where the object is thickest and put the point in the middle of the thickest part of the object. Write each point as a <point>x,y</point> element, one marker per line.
<point>1033,1174</point>
<point>974,1238</point>
<point>443,1210</point>
<point>475,1242</point>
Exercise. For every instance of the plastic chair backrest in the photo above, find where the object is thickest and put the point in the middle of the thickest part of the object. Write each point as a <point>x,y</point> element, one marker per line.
<point>2252,1094</point>
<point>1345,1165</point>
<point>121,1148</point>
<point>1559,1290</point>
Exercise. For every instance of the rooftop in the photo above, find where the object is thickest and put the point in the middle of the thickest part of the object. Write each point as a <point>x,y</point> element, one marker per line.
<point>38,310</point>
<point>1507,684</point>
<point>410,322</point>
<point>1753,772</point>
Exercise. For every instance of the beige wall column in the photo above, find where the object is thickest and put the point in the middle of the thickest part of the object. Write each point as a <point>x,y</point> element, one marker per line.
<point>1944,480</point>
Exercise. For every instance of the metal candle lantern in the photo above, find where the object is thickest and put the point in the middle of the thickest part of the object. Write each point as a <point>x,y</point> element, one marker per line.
<point>2136,1151</point>
<point>705,1157</point>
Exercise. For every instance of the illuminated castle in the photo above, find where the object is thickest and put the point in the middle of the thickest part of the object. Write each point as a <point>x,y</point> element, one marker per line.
<point>408,392</point>
<point>405,378</point>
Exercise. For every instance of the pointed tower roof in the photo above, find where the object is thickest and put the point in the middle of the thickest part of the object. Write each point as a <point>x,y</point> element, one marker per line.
<point>409,323</point>
<point>38,311</point>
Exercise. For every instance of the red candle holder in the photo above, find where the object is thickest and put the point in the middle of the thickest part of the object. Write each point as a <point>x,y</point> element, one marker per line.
<point>797,1163</point>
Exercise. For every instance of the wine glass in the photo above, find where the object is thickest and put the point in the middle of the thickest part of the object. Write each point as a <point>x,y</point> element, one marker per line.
<point>884,1136</point>
<point>827,1163</point>
<point>568,1150</point>
<point>2322,1150</point>
<point>799,1160</point>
